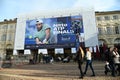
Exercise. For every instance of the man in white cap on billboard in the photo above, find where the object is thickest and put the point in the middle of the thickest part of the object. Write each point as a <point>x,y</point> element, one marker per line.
<point>44,32</point>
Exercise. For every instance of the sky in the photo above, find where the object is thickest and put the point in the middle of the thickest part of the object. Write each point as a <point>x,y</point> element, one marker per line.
<point>9,9</point>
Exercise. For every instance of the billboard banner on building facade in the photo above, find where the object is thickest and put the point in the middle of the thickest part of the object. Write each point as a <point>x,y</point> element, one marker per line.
<point>53,32</point>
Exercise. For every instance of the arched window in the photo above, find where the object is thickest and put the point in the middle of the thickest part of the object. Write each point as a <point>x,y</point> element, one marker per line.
<point>117,41</point>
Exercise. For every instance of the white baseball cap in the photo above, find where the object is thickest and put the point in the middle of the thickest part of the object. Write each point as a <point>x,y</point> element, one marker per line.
<point>39,21</point>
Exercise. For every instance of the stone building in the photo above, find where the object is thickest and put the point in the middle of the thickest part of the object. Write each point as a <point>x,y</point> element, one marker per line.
<point>7,36</point>
<point>108,24</point>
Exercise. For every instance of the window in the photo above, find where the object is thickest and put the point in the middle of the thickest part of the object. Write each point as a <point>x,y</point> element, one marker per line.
<point>3,38</point>
<point>109,30</point>
<point>105,30</point>
<point>116,30</point>
<point>100,31</point>
<point>117,41</point>
<point>99,18</point>
<point>11,26</point>
<point>10,37</point>
<point>107,18</point>
<point>115,17</point>
<point>5,27</point>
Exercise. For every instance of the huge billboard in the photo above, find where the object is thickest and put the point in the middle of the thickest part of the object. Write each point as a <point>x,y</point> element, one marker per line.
<point>53,32</point>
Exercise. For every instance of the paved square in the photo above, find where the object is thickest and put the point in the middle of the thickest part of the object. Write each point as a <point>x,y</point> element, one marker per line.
<point>55,71</point>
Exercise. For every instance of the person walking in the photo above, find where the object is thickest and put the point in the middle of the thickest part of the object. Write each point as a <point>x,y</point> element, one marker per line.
<point>80,58</point>
<point>89,61</point>
<point>110,60</point>
<point>116,59</point>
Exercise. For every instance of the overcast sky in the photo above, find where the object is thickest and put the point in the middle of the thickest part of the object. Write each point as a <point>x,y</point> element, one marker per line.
<point>9,9</point>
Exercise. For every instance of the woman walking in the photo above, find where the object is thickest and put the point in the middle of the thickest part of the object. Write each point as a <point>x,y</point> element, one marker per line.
<point>89,62</point>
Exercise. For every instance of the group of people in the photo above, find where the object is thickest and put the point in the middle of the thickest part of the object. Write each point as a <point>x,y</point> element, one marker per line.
<point>112,61</point>
<point>47,59</point>
<point>80,58</point>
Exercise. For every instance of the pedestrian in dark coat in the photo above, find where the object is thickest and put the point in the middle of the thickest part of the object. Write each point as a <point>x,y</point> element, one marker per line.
<point>80,58</point>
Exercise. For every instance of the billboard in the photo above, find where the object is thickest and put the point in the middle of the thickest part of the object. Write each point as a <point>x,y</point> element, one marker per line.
<point>62,25</point>
<point>53,32</point>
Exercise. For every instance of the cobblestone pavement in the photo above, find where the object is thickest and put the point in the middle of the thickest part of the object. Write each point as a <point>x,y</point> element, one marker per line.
<point>55,71</point>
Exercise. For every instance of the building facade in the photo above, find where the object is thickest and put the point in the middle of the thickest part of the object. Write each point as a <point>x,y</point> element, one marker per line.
<point>7,37</point>
<point>108,24</point>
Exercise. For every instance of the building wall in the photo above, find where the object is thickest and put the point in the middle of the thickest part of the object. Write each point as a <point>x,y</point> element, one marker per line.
<point>108,24</point>
<point>7,35</point>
